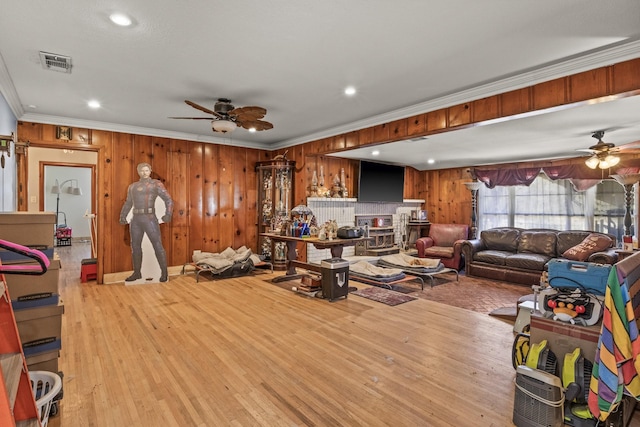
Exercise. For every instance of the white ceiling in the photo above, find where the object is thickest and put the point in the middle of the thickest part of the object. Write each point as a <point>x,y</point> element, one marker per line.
<point>295,59</point>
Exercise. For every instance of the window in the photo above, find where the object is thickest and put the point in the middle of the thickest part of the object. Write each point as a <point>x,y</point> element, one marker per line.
<point>554,205</point>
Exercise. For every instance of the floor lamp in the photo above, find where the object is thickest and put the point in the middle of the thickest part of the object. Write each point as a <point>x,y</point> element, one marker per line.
<point>57,189</point>
<point>474,187</point>
<point>627,181</point>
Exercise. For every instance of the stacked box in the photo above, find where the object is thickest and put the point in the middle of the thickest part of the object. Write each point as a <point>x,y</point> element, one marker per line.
<point>28,291</point>
<point>34,229</point>
<point>44,361</point>
<point>40,328</point>
<point>34,298</point>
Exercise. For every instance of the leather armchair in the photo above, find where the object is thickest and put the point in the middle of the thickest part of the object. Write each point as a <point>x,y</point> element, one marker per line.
<point>444,242</point>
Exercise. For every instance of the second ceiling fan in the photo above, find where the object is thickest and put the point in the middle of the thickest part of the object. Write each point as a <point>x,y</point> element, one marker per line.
<point>605,154</point>
<point>225,117</point>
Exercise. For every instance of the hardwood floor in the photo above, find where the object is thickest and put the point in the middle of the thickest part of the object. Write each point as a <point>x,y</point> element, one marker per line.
<point>245,352</point>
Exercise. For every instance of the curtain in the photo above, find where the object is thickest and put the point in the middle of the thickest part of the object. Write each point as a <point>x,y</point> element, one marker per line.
<point>579,174</point>
<point>491,178</point>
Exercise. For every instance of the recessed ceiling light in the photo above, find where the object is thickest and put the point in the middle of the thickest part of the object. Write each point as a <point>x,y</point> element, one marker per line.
<point>375,153</point>
<point>93,104</point>
<point>350,91</point>
<point>120,19</point>
<point>431,161</point>
<point>33,107</point>
<point>252,130</point>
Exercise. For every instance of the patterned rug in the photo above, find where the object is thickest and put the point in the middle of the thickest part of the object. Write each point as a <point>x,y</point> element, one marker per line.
<point>384,296</point>
<point>471,293</point>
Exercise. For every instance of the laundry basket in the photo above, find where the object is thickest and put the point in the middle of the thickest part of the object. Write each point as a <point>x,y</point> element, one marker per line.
<point>46,385</point>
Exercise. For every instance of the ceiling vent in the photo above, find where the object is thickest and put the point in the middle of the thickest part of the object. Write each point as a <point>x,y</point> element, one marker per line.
<point>53,62</point>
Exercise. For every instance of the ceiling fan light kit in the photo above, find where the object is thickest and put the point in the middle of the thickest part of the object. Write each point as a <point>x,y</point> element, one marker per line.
<point>223,126</point>
<point>601,162</point>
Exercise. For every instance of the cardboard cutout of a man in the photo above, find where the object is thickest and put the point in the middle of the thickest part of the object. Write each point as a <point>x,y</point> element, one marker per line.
<point>141,196</point>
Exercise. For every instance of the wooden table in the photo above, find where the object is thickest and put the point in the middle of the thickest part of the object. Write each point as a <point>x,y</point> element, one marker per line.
<point>335,246</point>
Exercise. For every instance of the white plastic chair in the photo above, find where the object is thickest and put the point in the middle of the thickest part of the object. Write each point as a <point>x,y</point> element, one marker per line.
<point>45,385</point>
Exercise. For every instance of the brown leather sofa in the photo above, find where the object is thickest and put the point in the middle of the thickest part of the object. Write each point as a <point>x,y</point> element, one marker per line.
<point>444,242</point>
<point>520,256</point>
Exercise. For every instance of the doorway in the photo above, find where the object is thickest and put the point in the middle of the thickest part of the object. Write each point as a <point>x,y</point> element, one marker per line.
<point>67,190</point>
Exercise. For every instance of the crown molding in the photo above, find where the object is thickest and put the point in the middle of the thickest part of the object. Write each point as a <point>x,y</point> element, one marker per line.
<point>620,53</point>
<point>136,130</point>
<point>8,90</point>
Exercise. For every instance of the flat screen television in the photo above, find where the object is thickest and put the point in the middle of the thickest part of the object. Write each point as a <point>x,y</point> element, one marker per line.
<point>379,182</point>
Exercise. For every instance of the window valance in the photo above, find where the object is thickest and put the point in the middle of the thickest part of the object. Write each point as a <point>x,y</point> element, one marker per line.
<point>580,176</point>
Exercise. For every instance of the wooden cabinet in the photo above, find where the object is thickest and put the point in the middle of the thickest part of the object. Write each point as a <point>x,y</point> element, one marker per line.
<point>275,197</point>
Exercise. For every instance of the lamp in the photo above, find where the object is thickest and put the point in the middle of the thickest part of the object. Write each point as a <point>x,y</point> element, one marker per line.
<point>223,126</point>
<point>474,187</point>
<point>627,181</point>
<point>602,160</point>
<point>59,188</point>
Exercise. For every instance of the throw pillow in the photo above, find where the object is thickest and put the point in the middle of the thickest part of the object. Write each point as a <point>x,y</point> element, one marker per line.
<point>228,253</point>
<point>591,244</point>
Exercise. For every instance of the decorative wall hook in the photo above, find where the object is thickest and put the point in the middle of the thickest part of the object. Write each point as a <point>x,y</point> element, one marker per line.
<point>5,146</point>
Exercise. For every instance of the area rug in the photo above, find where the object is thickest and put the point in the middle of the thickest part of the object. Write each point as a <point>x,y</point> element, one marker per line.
<point>384,296</point>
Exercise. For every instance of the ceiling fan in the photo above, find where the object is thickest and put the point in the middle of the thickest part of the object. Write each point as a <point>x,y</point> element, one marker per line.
<point>226,117</point>
<point>603,154</point>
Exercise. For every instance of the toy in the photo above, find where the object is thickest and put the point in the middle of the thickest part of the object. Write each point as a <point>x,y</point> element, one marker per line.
<point>571,306</point>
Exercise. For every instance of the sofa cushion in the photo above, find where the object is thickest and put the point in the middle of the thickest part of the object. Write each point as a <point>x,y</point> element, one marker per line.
<point>439,252</point>
<point>527,261</point>
<point>538,242</point>
<point>500,239</point>
<point>492,257</point>
<point>591,244</point>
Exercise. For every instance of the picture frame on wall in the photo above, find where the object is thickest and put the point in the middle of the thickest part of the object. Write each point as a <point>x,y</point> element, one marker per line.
<point>63,132</point>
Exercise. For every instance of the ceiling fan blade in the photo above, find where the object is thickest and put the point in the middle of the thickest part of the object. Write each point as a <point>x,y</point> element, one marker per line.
<point>255,124</point>
<point>250,112</point>
<point>201,108</point>
<point>194,118</point>
<point>628,146</point>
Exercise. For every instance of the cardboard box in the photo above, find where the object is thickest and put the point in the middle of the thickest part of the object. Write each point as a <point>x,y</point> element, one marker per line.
<point>37,300</point>
<point>41,346</point>
<point>563,338</point>
<point>50,365</point>
<point>24,285</point>
<point>28,228</point>
<point>10,257</point>
<point>46,361</point>
<point>40,325</point>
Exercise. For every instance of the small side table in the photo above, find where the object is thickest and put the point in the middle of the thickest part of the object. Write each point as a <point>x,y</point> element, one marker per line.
<point>622,254</point>
<point>415,230</point>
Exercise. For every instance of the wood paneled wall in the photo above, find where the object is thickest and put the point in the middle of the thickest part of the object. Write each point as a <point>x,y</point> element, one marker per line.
<point>214,186</point>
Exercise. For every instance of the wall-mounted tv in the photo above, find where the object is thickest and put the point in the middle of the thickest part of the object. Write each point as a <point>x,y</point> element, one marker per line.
<point>380,183</point>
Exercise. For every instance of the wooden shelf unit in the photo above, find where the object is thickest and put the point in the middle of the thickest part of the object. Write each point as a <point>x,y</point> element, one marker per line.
<point>17,403</point>
<point>382,239</point>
